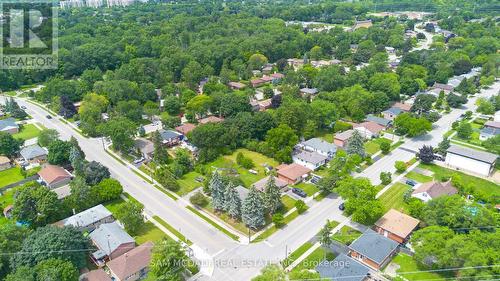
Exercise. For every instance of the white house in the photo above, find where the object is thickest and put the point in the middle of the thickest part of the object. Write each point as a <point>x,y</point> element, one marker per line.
<point>310,160</point>
<point>471,160</point>
<point>320,146</point>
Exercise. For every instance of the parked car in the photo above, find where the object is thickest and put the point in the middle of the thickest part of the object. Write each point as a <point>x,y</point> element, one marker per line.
<point>23,107</point>
<point>48,117</point>
<point>299,192</point>
<point>438,157</point>
<point>411,182</point>
<point>341,207</point>
<point>137,161</point>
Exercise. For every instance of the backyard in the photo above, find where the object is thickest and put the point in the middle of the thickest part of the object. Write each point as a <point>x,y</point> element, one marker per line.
<point>415,272</point>
<point>11,175</point>
<point>346,235</point>
<point>28,131</point>
<point>393,198</point>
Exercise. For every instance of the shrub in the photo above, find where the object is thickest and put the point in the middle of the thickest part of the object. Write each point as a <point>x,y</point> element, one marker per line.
<point>199,199</point>
<point>385,146</point>
<point>301,206</point>
<point>278,220</point>
<point>385,178</point>
<point>400,166</point>
<point>243,161</point>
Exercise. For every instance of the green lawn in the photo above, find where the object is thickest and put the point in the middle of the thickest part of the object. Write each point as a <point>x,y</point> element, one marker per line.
<point>9,176</point>
<point>482,188</point>
<point>418,177</point>
<point>408,264</point>
<point>27,132</point>
<point>346,235</point>
<point>393,197</point>
<point>325,135</point>
<point>314,259</point>
<point>309,188</point>
<point>6,199</point>
<point>371,147</point>
<point>207,219</point>
<point>188,183</point>
<point>296,254</point>
<point>288,203</point>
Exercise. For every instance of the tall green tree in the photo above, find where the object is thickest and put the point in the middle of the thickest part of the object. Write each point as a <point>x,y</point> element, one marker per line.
<point>9,146</point>
<point>56,269</point>
<point>11,239</point>
<point>121,132</point>
<point>253,210</point>
<point>272,196</point>
<point>59,151</point>
<point>168,261</point>
<point>47,136</point>
<point>130,214</point>
<point>355,145</point>
<point>36,205</point>
<point>217,190</point>
<point>233,201</point>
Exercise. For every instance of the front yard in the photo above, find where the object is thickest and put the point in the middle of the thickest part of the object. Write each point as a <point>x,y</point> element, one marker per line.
<point>309,188</point>
<point>414,272</point>
<point>393,198</point>
<point>28,131</point>
<point>373,146</point>
<point>346,235</point>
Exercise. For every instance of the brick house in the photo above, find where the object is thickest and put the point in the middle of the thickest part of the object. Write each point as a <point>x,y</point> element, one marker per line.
<point>396,226</point>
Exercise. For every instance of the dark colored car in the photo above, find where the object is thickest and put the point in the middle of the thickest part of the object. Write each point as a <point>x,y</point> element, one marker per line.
<point>411,182</point>
<point>341,207</point>
<point>48,117</point>
<point>299,192</point>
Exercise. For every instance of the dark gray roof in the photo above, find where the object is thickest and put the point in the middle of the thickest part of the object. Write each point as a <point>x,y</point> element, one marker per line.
<point>482,156</point>
<point>8,122</point>
<point>342,268</point>
<point>321,145</point>
<point>169,134</point>
<point>109,236</point>
<point>490,131</point>
<point>374,246</point>
<point>32,151</point>
<point>394,110</point>
<point>310,157</point>
<point>381,121</point>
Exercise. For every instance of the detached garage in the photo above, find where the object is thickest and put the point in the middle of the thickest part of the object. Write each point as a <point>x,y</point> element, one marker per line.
<point>475,161</point>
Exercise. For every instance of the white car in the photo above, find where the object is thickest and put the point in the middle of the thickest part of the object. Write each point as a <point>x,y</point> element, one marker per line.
<point>137,161</point>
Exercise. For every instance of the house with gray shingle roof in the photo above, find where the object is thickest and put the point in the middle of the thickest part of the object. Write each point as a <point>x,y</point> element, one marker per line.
<point>320,146</point>
<point>9,125</point>
<point>170,138</point>
<point>89,219</point>
<point>34,154</point>
<point>392,113</point>
<point>373,249</point>
<point>379,120</point>
<point>111,241</point>
<point>343,268</point>
<point>311,160</point>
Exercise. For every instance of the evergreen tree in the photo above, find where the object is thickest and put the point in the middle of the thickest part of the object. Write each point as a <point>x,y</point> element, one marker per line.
<point>325,235</point>
<point>355,144</point>
<point>217,190</point>
<point>272,196</point>
<point>160,155</point>
<point>443,146</point>
<point>77,162</point>
<point>253,210</point>
<point>233,201</point>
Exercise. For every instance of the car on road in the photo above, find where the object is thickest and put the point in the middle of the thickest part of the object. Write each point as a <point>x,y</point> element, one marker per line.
<point>48,117</point>
<point>23,107</point>
<point>438,157</point>
<point>299,192</point>
<point>411,182</point>
<point>341,207</point>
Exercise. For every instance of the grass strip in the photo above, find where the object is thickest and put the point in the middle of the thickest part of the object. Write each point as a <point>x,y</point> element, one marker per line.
<point>116,158</point>
<point>173,230</point>
<point>168,193</point>
<point>296,254</point>
<point>205,218</point>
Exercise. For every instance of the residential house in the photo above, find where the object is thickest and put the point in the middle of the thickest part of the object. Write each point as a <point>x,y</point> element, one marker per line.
<point>392,113</point>
<point>323,63</point>
<point>9,125</point>
<point>311,160</point>
<point>170,138</point>
<point>443,87</point>
<point>111,241</point>
<point>54,176</point>
<point>320,146</point>
<point>260,185</point>
<point>257,82</point>
<point>145,147</point>
<point>362,24</point>
<point>34,154</point>
<point>89,219</point>
<point>267,69</point>
<point>390,50</point>
<point>343,268</point>
<point>133,265</point>
<point>479,162</point>
<point>403,106</point>
<point>492,124</point>
<point>369,129</point>
<point>487,133</point>
<point>373,249</point>
<point>308,92</point>
<point>381,121</point>
<point>292,173</point>
<point>185,128</point>
<point>341,139</point>
<point>296,63</point>
<point>434,189</point>
<point>396,226</point>
<point>153,127</point>
<point>264,105</point>
<point>242,192</point>
<point>210,119</point>
<point>236,85</point>
<point>277,77</point>
<point>4,163</point>
<point>96,275</point>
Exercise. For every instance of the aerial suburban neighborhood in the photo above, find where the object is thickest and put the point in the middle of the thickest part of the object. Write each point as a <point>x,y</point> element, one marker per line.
<point>250,140</point>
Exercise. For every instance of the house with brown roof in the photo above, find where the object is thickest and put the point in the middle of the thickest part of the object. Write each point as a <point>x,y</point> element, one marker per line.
<point>54,176</point>
<point>185,128</point>
<point>133,265</point>
<point>236,85</point>
<point>443,87</point>
<point>210,119</point>
<point>4,163</point>
<point>369,129</point>
<point>492,124</point>
<point>293,173</point>
<point>257,82</point>
<point>96,275</point>
<point>434,189</point>
<point>403,106</point>
<point>341,139</point>
<point>260,185</point>
<point>396,226</point>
